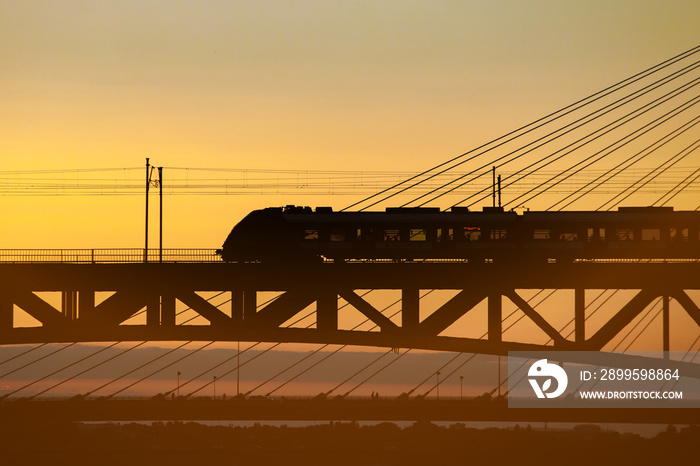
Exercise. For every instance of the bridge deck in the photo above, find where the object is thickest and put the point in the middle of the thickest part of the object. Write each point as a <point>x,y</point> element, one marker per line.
<point>385,275</point>
<point>156,287</point>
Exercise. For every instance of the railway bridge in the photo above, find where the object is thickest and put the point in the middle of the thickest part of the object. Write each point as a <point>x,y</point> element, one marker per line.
<point>82,279</point>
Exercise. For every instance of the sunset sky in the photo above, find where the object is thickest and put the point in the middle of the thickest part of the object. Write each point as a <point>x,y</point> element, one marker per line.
<point>297,85</point>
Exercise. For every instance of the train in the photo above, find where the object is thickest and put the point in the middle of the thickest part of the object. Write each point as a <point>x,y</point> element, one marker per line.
<point>303,234</point>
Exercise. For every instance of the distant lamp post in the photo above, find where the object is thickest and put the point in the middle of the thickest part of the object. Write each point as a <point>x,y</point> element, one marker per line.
<point>215,387</point>
<point>461,392</point>
<point>178,383</point>
<point>238,369</point>
<point>437,374</point>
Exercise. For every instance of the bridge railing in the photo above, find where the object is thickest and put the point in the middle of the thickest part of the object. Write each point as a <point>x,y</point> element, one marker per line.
<point>106,256</point>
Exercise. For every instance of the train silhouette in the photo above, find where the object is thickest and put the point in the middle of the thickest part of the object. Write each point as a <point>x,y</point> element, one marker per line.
<point>294,233</point>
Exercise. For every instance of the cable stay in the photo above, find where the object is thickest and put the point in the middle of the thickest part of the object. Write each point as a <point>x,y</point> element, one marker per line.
<point>313,353</point>
<point>541,189</point>
<point>83,359</point>
<point>651,175</point>
<point>337,350</point>
<point>588,138</point>
<point>538,123</point>
<point>23,353</point>
<point>629,162</point>
<point>548,138</point>
<point>673,192</point>
<point>591,314</point>
<point>37,360</point>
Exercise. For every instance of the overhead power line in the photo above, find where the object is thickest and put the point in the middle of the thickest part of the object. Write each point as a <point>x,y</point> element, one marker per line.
<point>296,182</point>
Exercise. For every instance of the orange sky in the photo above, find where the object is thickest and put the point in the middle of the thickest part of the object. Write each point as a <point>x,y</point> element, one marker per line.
<point>291,85</point>
<point>305,85</point>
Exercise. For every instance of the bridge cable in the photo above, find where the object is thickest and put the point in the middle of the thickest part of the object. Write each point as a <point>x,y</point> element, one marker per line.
<point>165,354</point>
<point>54,373</point>
<point>651,309</point>
<point>109,359</point>
<point>23,353</point>
<point>191,353</point>
<point>639,111</point>
<point>337,349</point>
<point>685,355</point>
<point>90,356</point>
<point>630,161</point>
<point>521,317</point>
<point>91,368</point>
<point>510,326</point>
<point>449,375</point>
<point>614,292</point>
<point>240,365</point>
<point>236,355</point>
<point>277,344</point>
<point>316,351</point>
<point>37,360</point>
<point>661,169</point>
<point>473,355</point>
<point>441,368</point>
<point>195,351</point>
<point>573,126</point>
<point>568,109</point>
<point>612,169</point>
<point>586,318</point>
<point>482,337</point>
<point>578,124</point>
<point>678,189</point>
<point>610,148</point>
<point>102,362</point>
<point>408,350</point>
<point>487,167</point>
<point>367,366</point>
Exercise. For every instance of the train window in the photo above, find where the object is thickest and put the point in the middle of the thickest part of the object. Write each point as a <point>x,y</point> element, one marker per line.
<point>651,234</point>
<point>418,234</point>
<point>497,233</point>
<point>472,233</point>
<point>679,234</point>
<point>568,236</point>
<point>596,234</point>
<point>541,234</point>
<point>337,235</point>
<point>391,235</point>
<point>624,234</point>
<point>311,235</point>
<point>445,234</point>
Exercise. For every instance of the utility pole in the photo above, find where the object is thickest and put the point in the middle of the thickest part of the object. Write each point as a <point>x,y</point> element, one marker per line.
<point>160,186</point>
<point>493,190</point>
<point>238,369</point>
<point>148,185</point>
<point>499,190</point>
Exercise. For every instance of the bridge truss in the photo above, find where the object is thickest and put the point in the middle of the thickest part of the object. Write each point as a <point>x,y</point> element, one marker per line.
<point>83,316</point>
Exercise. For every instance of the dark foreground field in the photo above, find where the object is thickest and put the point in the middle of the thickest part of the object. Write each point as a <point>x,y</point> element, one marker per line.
<point>175,443</point>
